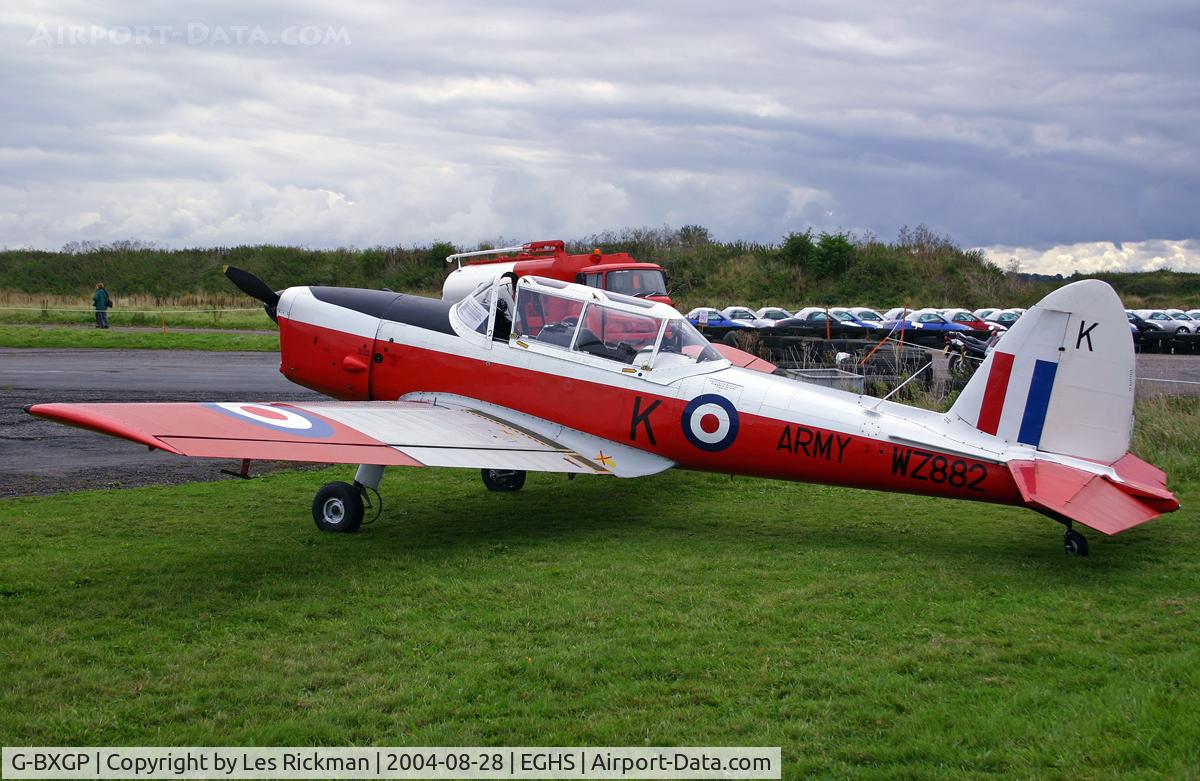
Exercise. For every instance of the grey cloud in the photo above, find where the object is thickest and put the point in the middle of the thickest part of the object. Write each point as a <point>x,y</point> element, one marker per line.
<point>1021,125</point>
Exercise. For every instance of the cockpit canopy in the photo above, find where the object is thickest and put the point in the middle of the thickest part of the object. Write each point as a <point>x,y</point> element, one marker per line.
<point>630,330</point>
<point>582,321</point>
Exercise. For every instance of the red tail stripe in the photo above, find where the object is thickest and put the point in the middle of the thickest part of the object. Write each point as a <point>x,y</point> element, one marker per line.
<point>994,392</point>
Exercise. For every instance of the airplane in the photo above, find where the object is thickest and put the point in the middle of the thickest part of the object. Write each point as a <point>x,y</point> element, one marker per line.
<point>537,374</point>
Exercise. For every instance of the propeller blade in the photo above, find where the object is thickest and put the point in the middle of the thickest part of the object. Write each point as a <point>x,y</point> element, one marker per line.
<point>252,286</point>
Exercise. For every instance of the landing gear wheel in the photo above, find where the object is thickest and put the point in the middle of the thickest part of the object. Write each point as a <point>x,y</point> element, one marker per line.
<point>503,479</point>
<point>338,507</point>
<point>1074,543</point>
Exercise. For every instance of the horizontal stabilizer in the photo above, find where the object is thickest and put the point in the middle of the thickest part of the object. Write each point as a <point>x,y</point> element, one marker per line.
<point>1145,481</point>
<point>1091,499</point>
<point>744,359</point>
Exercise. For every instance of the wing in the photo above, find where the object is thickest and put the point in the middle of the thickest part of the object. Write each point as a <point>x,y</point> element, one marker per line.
<point>429,430</point>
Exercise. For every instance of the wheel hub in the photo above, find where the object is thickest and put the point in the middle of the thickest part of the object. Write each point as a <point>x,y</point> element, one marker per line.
<point>334,510</point>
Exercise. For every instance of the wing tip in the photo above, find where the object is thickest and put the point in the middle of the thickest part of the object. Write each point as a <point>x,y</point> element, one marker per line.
<point>79,416</point>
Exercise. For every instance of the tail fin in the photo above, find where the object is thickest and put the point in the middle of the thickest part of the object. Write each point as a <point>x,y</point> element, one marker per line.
<point>1061,379</point>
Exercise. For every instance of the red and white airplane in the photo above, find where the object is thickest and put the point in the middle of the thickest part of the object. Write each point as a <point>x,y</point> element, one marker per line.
<point>543,375</point>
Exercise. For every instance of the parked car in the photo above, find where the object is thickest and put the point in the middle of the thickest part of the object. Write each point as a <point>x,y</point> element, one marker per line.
<point>713,318</point>
<point>970,320</point>
<point>1181,315</point>
<point>773,313</point>
<point>925,319</point>
<point>842,313</point>
<point>810,315</point>
<point>896,313</point>
<point>984,314</point>
<point>746,316</point>
<point>1165,321</point>
<point>1140,323</point>
<point>867,315</point>
<point>1194,314</point>
<point>1004,317</point>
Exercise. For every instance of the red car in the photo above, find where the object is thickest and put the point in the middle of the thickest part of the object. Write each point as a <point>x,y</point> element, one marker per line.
<point>965,317</point>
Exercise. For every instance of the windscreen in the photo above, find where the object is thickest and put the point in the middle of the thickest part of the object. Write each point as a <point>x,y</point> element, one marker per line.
<point>637,282</point>
<point>681,342</point>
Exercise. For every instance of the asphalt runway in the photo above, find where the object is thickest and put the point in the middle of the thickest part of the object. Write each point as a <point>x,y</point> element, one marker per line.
<point>1171,375</point>
<point>39,457</point>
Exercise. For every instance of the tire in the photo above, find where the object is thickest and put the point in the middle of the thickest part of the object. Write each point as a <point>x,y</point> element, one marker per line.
<point>503,479</point>
<point>1074,543</point>
<point>338,507</point>
<point>1180,331</point>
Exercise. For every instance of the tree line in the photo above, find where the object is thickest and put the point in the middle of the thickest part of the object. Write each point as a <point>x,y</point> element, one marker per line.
<point>918,268</point>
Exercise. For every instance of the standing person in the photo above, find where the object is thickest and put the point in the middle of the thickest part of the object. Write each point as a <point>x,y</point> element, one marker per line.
<point>101,303</point>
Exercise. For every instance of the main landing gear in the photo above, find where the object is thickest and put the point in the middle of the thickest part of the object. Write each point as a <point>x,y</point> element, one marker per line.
<point>503,479</point>
<point>339,507</point>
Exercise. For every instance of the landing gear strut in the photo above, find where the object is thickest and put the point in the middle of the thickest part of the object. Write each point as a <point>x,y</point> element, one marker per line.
<point>503,479</point>
<point>1074,543</point>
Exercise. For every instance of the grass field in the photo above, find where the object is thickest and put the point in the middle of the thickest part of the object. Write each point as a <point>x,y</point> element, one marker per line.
<point>194,311</point>
<point>869,635</point>
<point>59,337</point>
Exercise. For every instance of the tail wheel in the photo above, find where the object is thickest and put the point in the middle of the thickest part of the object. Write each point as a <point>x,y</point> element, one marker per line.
<point>503,479</point>
<point>338,507</point>
<point>1074,543</point>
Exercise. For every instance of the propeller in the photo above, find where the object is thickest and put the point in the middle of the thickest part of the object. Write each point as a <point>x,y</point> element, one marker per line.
<point>253,287</point>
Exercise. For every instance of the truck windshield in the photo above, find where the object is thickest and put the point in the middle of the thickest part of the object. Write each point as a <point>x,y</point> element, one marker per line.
<point>637,282</point>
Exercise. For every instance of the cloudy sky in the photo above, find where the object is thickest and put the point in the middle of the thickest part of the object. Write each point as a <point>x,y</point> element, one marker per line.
<point>1065,136</point>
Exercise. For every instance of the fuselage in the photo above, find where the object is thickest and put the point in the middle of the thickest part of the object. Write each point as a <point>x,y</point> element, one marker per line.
<point>358,345</point>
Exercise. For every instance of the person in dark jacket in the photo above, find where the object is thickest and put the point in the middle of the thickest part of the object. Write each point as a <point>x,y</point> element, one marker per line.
<point>101,302</point>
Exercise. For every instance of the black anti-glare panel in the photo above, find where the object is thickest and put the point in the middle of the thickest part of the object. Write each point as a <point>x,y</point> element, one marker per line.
<point>429,313</point>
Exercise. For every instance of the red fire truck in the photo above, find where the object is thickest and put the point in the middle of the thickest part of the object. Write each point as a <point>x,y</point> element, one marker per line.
<point>617,272</point>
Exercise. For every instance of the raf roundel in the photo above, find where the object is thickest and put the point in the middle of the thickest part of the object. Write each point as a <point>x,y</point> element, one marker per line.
<point>710,422</point>
<point>289,420</point>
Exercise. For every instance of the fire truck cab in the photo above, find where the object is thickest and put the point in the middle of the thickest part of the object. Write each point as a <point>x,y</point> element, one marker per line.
<point>617,272</point>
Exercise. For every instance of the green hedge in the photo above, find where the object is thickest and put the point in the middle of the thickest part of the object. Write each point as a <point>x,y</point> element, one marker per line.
<point>920,268</point>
